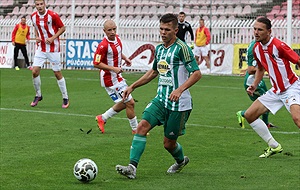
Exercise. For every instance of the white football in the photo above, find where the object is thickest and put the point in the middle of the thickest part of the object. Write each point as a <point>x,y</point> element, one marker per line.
<point>85,170</point>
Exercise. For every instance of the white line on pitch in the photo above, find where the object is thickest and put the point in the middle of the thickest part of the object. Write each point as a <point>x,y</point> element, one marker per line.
<point>92,116</point>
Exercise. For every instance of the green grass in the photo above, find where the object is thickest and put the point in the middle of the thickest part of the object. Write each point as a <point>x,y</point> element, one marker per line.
<point>40,145</point>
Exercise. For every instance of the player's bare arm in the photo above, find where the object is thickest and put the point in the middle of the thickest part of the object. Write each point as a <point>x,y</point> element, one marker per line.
<point>37,37</point>
<point>58,33</point>
<point>258,77</point>
<point>147,77</point>
<point>103,66</point>
<point>127,61</point>
<point>251,70</point>
<point>195,77</point>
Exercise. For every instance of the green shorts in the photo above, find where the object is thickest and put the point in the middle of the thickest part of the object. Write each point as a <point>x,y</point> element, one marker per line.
<point>173,121</point>
<point>260,90</point>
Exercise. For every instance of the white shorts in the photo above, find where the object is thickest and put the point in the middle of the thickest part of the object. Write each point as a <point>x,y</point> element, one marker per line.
<point>201,51</point>
<point>116,92</point>
<point>274,101</point>
<point>53,57</point>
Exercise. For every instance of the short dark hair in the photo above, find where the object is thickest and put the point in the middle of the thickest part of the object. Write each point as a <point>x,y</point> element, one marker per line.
<point>169,17</point>
<point>182,13</point>
<point>23,17</point>
<point>266,21</point>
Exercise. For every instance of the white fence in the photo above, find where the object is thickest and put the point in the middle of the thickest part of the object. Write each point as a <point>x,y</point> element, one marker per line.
<point>223,31</point>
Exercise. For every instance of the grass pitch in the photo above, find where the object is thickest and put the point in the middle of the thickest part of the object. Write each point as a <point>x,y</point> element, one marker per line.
<point>40,145</point>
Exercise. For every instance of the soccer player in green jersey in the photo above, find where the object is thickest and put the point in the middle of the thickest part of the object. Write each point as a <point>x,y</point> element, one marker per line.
<point>260,90</point>
<point>177,70</point>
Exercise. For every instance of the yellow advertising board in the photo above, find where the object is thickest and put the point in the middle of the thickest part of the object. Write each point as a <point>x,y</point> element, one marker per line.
<point>239,58</point>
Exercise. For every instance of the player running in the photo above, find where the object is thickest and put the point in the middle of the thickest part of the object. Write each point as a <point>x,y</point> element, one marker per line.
<point>274,56</point>
<point>177,70</point>
<point>260,90</point>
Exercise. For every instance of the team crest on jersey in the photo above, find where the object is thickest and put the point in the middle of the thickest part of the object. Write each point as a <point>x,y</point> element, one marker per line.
<point>163,67</point>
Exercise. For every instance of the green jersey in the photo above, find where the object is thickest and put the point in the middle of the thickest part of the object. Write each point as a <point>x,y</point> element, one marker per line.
<point>174,65</point>
<point>250,57</point>
<point>249,79</point>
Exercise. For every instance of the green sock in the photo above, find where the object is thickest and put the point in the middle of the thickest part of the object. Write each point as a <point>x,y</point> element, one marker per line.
<point>265,118</point>
<point>243,113</point>
<point>137,148</point>
<point>177,153</point>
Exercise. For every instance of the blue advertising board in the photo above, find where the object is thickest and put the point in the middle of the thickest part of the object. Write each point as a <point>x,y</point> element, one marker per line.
<point>80,53</point>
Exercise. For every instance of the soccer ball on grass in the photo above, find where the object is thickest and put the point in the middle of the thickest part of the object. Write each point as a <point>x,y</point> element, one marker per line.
<point>85,170</point>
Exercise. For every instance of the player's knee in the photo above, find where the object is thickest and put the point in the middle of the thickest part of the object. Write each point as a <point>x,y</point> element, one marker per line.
<point>130,104</point>
<point>58,75</point>
<point>143,127</point>
<point>35,73</point>
<point>169,145</point>
<point>249,117</point>
<point>295,113</point>
<point>296,119</point>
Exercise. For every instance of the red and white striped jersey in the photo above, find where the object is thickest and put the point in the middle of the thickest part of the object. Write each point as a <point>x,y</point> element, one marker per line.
<point>109,53</point>
<point>275,57</point>
<point>47,25</point>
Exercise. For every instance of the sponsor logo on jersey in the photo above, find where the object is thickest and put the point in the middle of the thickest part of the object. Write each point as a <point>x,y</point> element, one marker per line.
<point>163,67</point>
<point>98,58</point>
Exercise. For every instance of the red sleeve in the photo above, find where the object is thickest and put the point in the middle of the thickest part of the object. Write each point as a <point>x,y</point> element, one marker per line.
<point>100,54</point>
<point>28,33</point>
<point>13,35</point>
<point>58,21</point>
<point>288,53</point>
<point>196,32</point>
<point>207,33</point>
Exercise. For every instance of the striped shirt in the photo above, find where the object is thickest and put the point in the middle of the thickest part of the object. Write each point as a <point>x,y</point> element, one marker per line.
<point>47,26</point>
<point>109,53</point>
<point>249,79</point>
<point>275,57</point>
<point>174,64</point>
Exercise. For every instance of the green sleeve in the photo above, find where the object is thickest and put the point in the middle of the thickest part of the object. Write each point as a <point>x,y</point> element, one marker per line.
<point>188,58</point>
<point>250,57</point>
<point>154,66</point>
